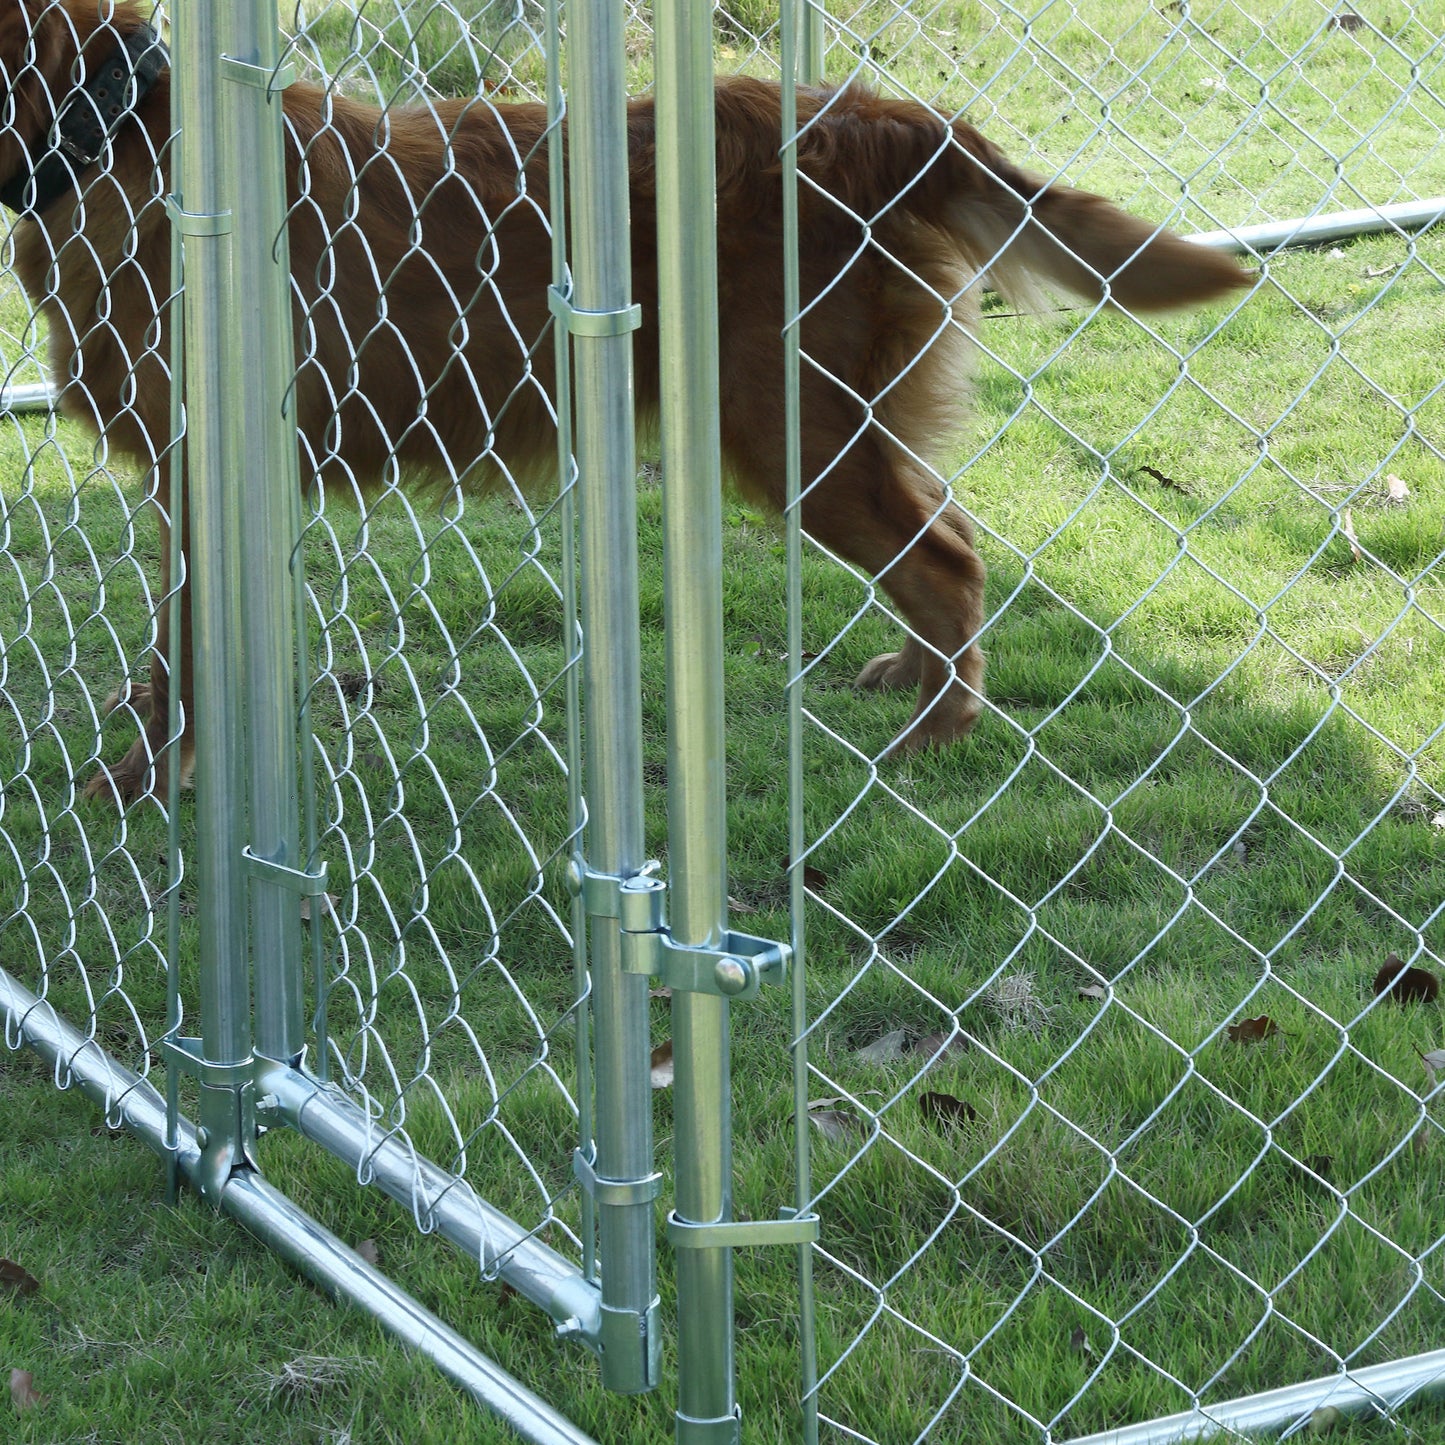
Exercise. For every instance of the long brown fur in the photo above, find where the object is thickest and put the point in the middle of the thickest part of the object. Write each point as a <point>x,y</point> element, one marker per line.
<point>899,215</point>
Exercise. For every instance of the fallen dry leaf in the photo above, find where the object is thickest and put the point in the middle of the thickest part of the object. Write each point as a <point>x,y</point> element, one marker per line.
<point>1079,1342</point>
<point>945,1044</point>
<point>886,1050</point>
<point>831,1123</point>
<point>368,1250</point>
<point>945,1109</point>
<point>738,906</point>
<point>328,905</point>
<point>663,992</point>
<point>1347,526</point>
<point>1167,482</point>
<point>662,1066</point>
<point>1373,273</point>
<point>1434,1061</point>
<point>1093,991</point>
<point>814,879</point>
<point>1397,493</point>
<point>1252,1031</point>
<point>13,1277</point>
<point>23,1395</point>
<point>1405,984</point>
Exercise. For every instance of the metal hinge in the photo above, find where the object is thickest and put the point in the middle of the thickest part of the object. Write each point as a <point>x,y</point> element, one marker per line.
<point>735,968</point>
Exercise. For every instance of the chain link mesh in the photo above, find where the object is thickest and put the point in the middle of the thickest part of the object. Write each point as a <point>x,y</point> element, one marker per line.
<point>1113,1116</point>
<point>87,886</point>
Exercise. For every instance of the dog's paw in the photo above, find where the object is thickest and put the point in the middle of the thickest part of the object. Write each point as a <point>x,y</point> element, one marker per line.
<point>891,670</point>
<point>947,721</point>
<point>145,769</point>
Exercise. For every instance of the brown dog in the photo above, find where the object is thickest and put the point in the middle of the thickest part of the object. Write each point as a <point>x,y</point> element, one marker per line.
<point>899,216</point>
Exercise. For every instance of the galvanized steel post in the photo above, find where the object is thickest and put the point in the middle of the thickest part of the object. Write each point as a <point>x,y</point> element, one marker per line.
<point>600,317</point>
<point>214,440</point>
<point>263,477</point>
<point>696,774</point>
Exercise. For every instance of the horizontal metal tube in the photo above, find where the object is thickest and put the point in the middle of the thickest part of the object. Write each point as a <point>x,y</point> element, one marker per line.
<point>452,1206</point>
<point>1390,1384</point>
<point>1312,230</point>
<point>131,1101</point>
<point>32,396</point>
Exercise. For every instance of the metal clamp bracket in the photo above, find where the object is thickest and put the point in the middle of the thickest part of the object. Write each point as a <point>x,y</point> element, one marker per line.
<point>196,223</point>
<point>614,1191</point>
<point>735,968</point>
<point>187,1055</point>
<point>592,323</point>
<point>790,1228</point>
<point>259,77</point>
<point>308,885</point>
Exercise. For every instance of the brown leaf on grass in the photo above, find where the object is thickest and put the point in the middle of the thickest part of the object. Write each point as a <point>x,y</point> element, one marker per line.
<point>814,879</point>
<point>1167,482</point>
<point>663,992</point>
<point>662,1066</point>
<point>1347,526</point>
<point>1397,492</point>
<point>23,1394</point>
<point>1406,984</point>
<point>1079,1342</point>
<point>885,1050</point>
<point>945,1044</point>
<point>738,906</point>
<point>945,1109</point>
<point>368,1251</point>
<point>831,1123</point>
<point>1373,273</point>
<point>1093,991</point>
<point>1434,1061</point>
<point>17,1279</point>
<point>1252,1031</point>
<point>326,905</point>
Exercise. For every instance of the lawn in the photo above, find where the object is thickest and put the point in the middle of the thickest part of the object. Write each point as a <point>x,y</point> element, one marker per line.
<point>1108,1112</point>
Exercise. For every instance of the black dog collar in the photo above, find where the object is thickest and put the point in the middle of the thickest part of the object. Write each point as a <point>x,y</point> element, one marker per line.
<point>89,118</point>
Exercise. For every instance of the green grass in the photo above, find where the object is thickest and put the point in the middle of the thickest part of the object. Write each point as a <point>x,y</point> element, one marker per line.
<point>1208,785</point>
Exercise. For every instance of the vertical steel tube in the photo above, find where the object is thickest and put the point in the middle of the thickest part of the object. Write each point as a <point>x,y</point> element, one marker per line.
<point>797,835</point>
<point>572,633</point>
<point>607,505</point>
<point>696,783</point>
<point>213,443</point>
<point>811,41</point>
<point>265,478</point>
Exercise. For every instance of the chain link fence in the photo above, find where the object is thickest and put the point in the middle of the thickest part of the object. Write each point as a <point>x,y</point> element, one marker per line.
<point>1118,1108</point>
<point>1123,1101</point>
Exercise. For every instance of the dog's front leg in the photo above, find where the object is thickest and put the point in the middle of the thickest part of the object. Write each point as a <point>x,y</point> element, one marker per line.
<point>145,766</point>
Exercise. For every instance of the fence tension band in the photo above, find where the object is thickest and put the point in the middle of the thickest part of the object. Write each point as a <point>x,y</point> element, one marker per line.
<point>614,1191</point>
<point>735,968</point>
<point>259,77</point>
<point>789,1228</point>
<point>592,323</point>
<point>308,885</point>
<point>188,1056</point>
<point>197,223</point>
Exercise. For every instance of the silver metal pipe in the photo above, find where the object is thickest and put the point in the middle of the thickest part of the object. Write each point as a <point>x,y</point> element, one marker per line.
<point>264,480</point>
<point>130,1101</point>
<point>32,396</point>
<point>1390,1385</point>
<point>1313,230</point>
<point>450,1206</point>
<point>215,442</point>
<point>603,434</point>
<point>687,317</point>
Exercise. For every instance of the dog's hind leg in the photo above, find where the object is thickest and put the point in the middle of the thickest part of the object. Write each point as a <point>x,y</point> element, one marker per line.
<point>900,526</point>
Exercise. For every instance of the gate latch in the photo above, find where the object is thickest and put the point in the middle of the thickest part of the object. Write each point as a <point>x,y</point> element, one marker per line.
<point>735,968</point>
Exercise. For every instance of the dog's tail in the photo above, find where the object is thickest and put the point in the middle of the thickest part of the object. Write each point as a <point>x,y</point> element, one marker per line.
<point>876,155</point>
